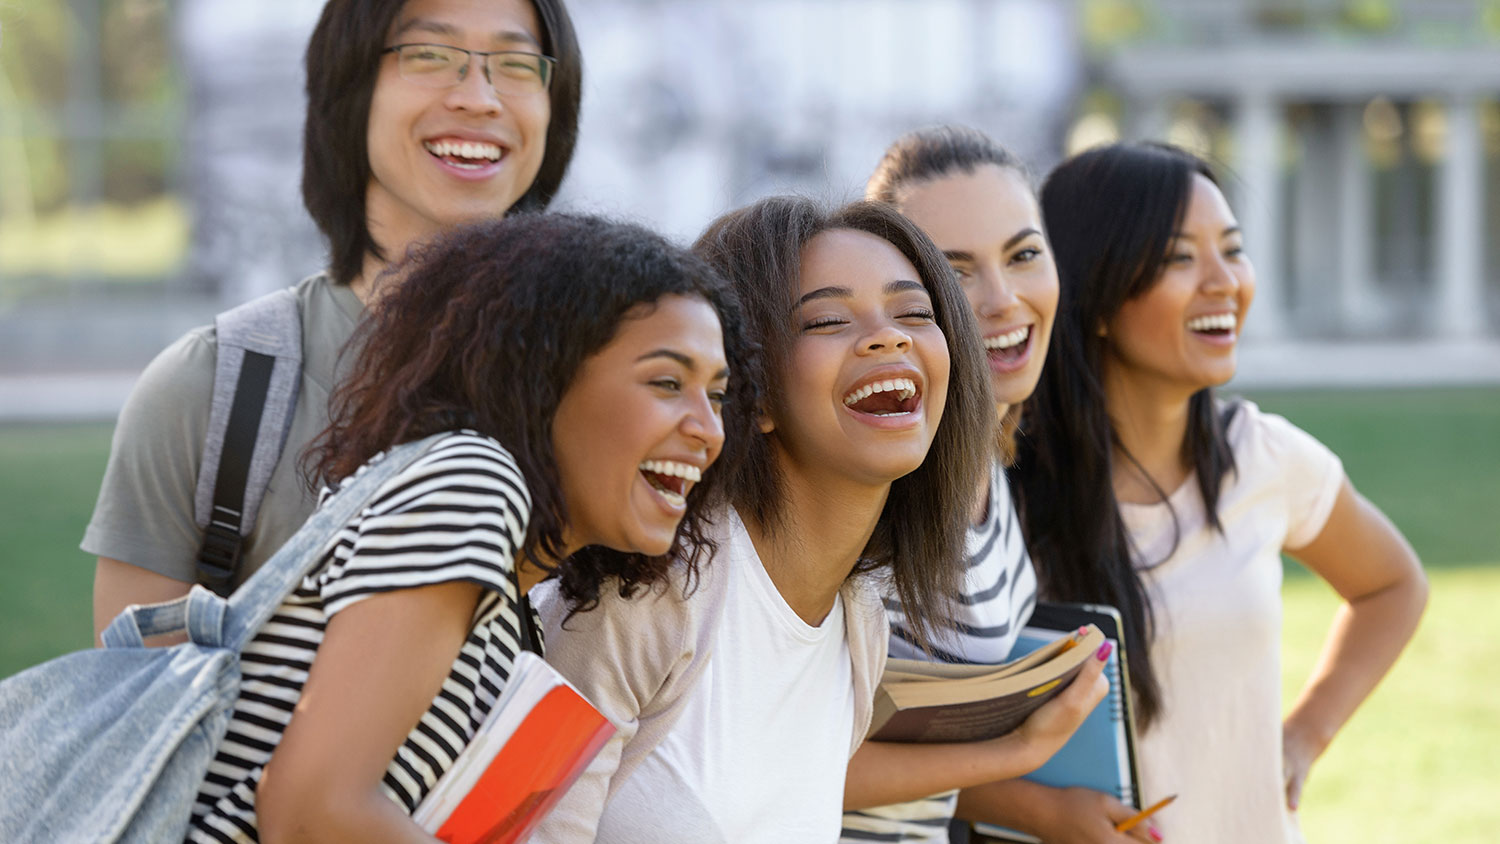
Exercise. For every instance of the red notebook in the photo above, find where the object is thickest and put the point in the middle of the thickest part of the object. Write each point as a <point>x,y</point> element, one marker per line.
<point>536,741</point>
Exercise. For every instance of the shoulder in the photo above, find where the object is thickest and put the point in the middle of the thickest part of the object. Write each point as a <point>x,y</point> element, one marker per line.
<point>1261,439</point>
<point>460,471</point>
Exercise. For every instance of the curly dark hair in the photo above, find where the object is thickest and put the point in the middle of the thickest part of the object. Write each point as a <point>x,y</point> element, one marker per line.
<point>921,532</point>
<point>487,327</point>
<point>343,61</point>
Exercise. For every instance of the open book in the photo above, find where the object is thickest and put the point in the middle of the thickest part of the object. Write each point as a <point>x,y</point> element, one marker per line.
<point>536,741</point>
<point>1101,753</point>
<point>934,702</point>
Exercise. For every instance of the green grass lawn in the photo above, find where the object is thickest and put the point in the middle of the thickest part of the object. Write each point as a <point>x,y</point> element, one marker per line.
<point>1417,763</point>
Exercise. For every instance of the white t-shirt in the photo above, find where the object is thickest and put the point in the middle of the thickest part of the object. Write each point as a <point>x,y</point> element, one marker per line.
<point>999,593</point>
<point>1216,602</point>
<point>761,748</point>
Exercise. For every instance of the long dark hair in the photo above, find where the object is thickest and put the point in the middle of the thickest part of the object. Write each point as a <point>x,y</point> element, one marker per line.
<point>921,531</point>
<point>487,329</point>
<point>1112,213</point>
<point>343,61</point>
<point>933,153</point>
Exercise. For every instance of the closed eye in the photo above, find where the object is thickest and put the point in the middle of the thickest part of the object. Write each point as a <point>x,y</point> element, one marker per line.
<point>823,322</point>
<point>669,384</point>
<point>919,313</point>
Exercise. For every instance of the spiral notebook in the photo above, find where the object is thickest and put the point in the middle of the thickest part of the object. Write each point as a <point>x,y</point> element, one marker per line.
<point>1101,755</point>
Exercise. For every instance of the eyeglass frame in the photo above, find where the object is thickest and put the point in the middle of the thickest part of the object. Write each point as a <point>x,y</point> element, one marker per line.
<point>549,63</point>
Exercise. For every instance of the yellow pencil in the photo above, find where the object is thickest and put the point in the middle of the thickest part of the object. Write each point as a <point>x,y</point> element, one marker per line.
<point>1129,823</point>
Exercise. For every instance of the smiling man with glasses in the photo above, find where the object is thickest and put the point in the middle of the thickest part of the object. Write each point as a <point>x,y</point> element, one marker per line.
<point>395,150</point>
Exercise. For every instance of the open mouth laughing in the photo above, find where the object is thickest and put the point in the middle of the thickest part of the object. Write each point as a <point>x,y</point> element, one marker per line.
<point>1216,326</point>
<point>671,479</point>
<point>885,398</point>
<point>1009,350</point>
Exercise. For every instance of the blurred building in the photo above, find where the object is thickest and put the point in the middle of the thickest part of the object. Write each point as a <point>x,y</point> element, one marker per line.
<point>1363,139</point>
<point>150,150</point>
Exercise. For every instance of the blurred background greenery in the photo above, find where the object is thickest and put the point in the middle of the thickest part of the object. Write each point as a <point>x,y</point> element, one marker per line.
<point>148,157</point>
<point>1415,764</point>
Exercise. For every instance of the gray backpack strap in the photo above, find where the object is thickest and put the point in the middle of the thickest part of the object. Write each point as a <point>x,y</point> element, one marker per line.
<point>256,378</point>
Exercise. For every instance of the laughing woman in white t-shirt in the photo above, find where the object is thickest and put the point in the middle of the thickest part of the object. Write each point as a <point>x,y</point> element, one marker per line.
<point>740,698</point>
<point>1203,497</point>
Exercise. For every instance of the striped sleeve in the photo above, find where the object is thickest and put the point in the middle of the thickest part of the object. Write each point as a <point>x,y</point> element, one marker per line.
<point>459,513</point>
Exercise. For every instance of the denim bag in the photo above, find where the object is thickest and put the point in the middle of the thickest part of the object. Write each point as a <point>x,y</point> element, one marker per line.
<point>112,744</point>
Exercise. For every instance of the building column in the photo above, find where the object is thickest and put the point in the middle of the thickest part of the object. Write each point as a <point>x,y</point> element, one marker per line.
<point>1460,218</point>
<point>1257,130</point>
<point>1358,306</point>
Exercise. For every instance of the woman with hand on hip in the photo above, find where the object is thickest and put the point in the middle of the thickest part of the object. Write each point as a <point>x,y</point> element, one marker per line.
<point>1140,489</point>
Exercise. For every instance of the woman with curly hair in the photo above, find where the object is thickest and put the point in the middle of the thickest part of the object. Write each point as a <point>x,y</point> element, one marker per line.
<point>577,371</point>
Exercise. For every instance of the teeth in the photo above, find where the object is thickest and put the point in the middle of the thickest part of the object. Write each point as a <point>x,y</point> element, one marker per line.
<point>673,469</point>
<point>1008,339</point>
<point>473,150</point>
<point>906,387</point>
<point>672,498</point>
<point>1212,322</point>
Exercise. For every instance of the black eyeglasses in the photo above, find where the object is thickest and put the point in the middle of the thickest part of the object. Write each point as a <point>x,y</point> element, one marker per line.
<point>443,66</point>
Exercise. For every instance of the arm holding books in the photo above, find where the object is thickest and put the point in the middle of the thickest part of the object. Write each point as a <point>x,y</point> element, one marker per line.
<point>1055,815</point>
<point>323,780</point>
<point>881,773</point>
<point>1372,567</point>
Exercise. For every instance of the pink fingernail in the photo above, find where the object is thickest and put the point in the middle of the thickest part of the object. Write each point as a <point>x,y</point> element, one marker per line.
<point>1104,651</point>
<point>1154,833</point>
<point>1082,631</point>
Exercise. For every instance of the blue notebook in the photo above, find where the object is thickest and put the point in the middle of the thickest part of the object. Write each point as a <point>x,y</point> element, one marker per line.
<point>1101,754</point>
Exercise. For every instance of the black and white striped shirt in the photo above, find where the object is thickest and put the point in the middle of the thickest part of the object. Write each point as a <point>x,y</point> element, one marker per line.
<point>458,513</point>
<point>999,593</point>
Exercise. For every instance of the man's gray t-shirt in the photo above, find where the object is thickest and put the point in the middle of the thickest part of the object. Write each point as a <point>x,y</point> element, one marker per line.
<point>145,513</point>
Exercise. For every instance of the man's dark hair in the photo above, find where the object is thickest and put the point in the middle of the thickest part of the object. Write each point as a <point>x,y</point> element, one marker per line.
<point>343,62</point>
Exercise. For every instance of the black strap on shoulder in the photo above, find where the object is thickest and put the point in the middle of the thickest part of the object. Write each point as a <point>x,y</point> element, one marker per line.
<point>219,557</point>
<point>530,639</point>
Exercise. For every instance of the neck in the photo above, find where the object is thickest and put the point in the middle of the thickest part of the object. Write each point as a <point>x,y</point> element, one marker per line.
<point>824,528</point>
<point>1150,421</point>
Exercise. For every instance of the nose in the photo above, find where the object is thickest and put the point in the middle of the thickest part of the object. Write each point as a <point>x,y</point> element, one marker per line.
<point>996,298</point>
<point>474,93</point>
<point>1218,277</point>
<point>888,337</point>
<point>702,422</point>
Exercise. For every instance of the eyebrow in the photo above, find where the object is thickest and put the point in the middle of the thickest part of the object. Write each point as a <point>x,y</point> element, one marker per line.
<point>687,362</point>
<point>900,285</point>
<point>435,27</point>
<point>1018,237</point>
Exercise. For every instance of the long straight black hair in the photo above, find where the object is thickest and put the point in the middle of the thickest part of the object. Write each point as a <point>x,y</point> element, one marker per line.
<point>1112,214</point>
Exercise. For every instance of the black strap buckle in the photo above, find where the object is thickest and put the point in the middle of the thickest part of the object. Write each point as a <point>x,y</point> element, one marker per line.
<point>219,557</point>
